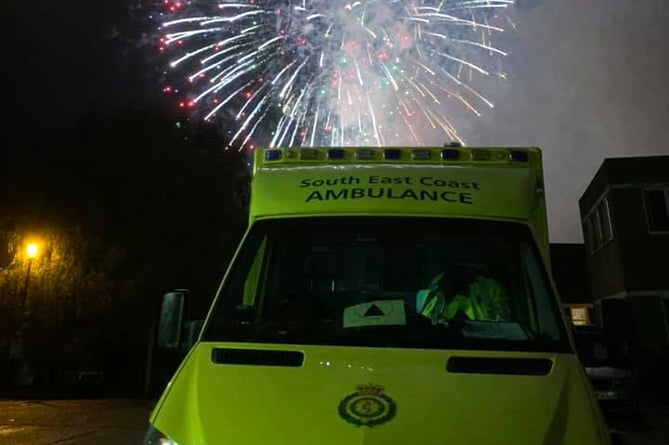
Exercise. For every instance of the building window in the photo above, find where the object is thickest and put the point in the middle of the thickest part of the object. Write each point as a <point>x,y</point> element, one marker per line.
<point>604,212</point>
<point>580,316</point>
<point>598,226</point>
<point>656,204</point>
<point>597,223</point>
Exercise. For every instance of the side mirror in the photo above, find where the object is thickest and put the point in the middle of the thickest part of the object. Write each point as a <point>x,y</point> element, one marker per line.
<point>172,318</point>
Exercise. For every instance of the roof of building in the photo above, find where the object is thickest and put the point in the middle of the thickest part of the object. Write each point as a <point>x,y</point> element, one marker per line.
<point>622,171</point>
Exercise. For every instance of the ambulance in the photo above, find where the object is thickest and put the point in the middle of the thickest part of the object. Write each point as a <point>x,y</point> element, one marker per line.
<point>318,333</point>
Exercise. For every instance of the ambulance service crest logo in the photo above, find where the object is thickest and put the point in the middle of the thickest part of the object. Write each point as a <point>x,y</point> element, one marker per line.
<point>368,406</point>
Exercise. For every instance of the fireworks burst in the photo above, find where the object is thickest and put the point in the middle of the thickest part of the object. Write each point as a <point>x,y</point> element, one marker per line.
<point>332,72</point>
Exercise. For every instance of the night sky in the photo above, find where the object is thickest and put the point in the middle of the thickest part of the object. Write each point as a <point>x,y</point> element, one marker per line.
<point>591,81</point>
<point>588,80</point>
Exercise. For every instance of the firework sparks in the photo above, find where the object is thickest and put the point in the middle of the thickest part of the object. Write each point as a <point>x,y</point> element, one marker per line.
<point>330,72</point>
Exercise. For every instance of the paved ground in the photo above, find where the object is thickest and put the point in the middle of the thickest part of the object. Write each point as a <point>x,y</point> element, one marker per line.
<point>651,427</point>
<point>73,422</point>
<point>123,422</point>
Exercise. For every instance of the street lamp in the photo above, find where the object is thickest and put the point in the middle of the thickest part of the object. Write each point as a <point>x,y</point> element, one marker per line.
<point>32,251</point>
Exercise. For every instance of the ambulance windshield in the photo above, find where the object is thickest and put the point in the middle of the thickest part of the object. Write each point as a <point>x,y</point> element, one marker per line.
<point>389,282</point>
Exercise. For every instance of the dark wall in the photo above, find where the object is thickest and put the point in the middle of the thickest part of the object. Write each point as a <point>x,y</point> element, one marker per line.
<point>570,272</point>
<point>605,269</point>
<point>644,255</point>
<point>622,171</point>
<point>633,259</point>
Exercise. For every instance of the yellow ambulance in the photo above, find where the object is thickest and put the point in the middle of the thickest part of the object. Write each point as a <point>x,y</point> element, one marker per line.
<point>386,296</point>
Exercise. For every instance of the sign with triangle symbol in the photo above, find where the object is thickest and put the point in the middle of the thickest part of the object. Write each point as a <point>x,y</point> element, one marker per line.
<point>375,313</point>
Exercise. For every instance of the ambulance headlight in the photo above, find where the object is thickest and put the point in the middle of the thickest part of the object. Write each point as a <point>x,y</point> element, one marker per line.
<point>155,437</point>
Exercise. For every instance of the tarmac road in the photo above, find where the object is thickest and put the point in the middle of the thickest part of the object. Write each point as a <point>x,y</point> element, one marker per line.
<point>74,422</point>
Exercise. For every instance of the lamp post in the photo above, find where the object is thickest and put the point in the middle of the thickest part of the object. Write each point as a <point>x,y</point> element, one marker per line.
<point>32,252</point>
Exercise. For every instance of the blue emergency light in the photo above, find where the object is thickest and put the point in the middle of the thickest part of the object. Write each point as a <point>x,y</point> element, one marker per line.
<point>272,155</point>
<point>336,153</point>
<point>392,153</point>
<point>519,156</point>
<point>450,154</point>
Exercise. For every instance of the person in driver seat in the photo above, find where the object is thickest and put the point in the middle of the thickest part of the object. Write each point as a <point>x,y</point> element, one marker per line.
<point>485,300</point>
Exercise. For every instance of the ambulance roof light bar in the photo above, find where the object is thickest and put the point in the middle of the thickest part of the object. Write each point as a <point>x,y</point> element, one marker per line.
<point>453,151</point>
